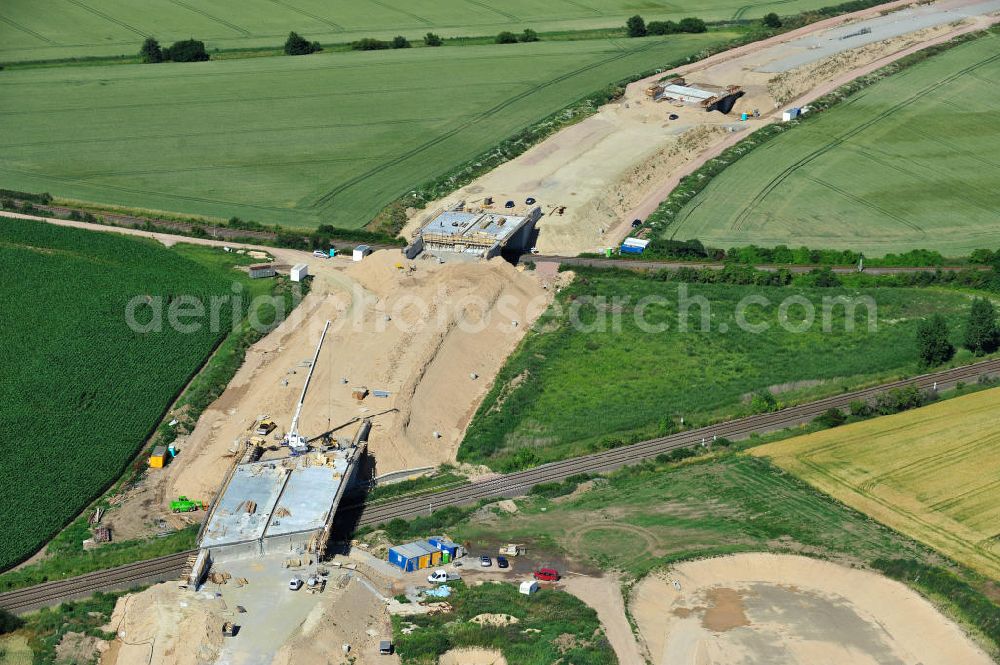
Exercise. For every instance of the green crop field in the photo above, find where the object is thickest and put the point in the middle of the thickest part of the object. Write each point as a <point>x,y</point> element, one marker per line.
<point>931,473</point>
<point>568,390</point>
<point>910,162</point>
<point>329,138</point>
<point>47,29</point>
<point>80,389</point>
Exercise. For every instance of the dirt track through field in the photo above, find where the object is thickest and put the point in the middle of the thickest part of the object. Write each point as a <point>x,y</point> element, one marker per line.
<point>619,164</point>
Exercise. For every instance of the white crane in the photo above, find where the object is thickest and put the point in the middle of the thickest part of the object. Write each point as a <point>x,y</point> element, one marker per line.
<point>294,440</point>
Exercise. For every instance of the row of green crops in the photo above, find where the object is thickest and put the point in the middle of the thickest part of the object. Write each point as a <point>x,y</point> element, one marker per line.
<point>81,390</point>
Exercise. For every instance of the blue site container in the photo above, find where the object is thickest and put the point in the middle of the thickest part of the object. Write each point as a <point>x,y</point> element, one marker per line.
<point>450,548</point>
<point>414,556</point>
<point>743,116</point>
<point>631,249</point>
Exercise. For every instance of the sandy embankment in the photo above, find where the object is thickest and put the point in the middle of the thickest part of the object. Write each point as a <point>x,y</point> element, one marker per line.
<point>791,610</point>
<point>472,657</point>
<point>434,336</point>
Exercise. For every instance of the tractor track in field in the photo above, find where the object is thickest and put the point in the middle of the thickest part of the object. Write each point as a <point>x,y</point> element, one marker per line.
<point>509,485</point>
<point>315,17</point>
<point>740,221</point>
<point>326,200</point>
<point>211,17</point>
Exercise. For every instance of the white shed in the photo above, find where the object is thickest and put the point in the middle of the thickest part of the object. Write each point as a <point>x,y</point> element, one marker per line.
<point>790,114</point>
<point>528,587</point>
<point>299,272</point>
<point>361,251</point>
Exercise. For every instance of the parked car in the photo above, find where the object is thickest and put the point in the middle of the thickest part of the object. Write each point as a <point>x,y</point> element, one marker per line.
<point>440,576</point>
<point>502,562</point>
<point>485,561</point>
<point>673,116</point>
<point>533,250</point>
<point>320,254</point>
<point>530,200</point>
<point>547,575</point>
<point>509,204</point>
<point>636,223</point>
<point>294,584</point>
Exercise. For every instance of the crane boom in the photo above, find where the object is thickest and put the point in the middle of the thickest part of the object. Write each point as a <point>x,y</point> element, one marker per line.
<point>294,440</point>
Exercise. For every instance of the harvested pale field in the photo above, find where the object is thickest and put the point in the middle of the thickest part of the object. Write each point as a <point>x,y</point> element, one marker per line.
<point>932,473</point>
<point>621,163</point>
<point>766,608</point>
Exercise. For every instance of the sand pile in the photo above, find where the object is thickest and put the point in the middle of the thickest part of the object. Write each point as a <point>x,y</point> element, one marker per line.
<point>494,619</point>
<point>355,617</point>
<point>792,610</point>
<point>472,657</point>
<point>166,626</point>
<point>432,336</point>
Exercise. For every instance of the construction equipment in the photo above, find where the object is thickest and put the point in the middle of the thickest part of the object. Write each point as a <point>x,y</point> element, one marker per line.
<point>229,629</point>
<point>186,505</point>
<point>266,426</point>
<point>512,549</point>
<point>298,443</point>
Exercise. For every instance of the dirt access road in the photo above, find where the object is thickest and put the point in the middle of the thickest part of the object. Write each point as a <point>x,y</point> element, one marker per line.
<point>619,164</point>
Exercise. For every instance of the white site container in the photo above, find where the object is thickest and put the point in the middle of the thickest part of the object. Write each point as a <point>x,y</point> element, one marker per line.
<point>299,272</point>
<point>361,251</point>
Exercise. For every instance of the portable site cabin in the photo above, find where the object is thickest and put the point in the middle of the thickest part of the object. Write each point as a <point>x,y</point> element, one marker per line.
<point>299,272</point>
<point>361,251</point>
<point>159,458</point>
<point>528,587</point>
<point>634,246</point>
<point>450,551</point>
<point>415,556</point>
<point>790,114</point>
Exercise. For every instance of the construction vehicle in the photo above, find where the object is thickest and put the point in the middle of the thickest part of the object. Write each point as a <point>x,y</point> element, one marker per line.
<point>229,629</point>
<point>265,427</point>
<point>512,549</point>
<point>298,443</point>
<point>186,505</point>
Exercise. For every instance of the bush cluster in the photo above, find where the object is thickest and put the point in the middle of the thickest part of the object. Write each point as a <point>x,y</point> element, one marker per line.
<point>188,50</point>
<point>296,44</point>
<point>508,37</point>
<point>371,44</point>
<point>636,26</point>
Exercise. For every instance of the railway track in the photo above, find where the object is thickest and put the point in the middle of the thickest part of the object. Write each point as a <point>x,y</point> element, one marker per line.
<point>638,264</point>
<point>509,485</point>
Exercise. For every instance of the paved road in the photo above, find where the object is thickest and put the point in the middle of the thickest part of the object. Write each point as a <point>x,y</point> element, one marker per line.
<point>510,485</point>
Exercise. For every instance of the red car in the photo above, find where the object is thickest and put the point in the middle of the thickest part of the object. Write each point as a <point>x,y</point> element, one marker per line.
<point>547,575</point>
